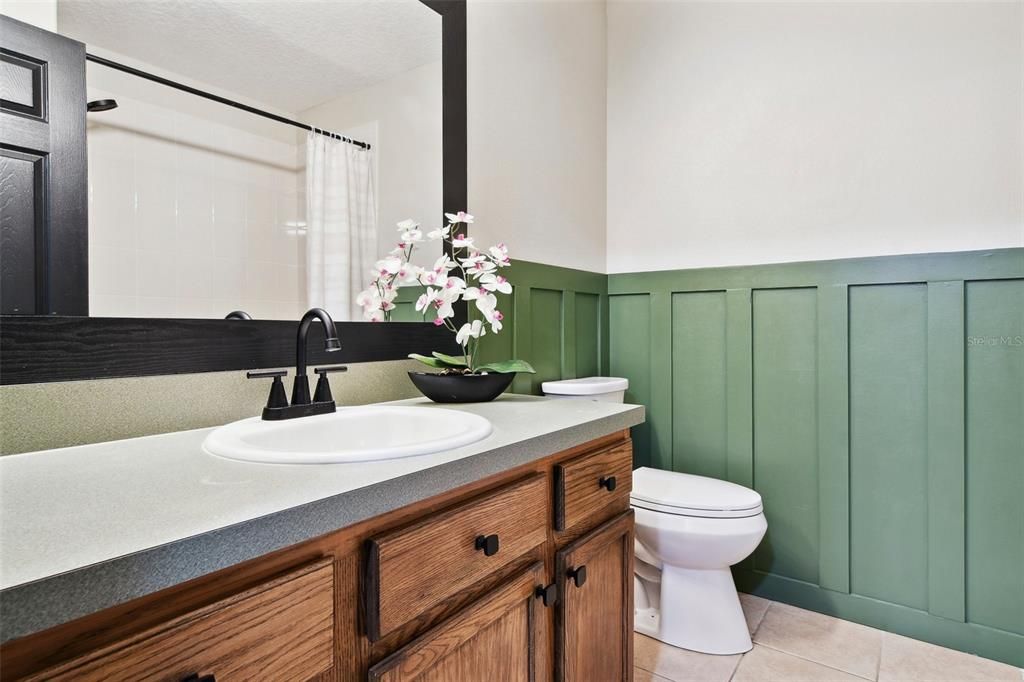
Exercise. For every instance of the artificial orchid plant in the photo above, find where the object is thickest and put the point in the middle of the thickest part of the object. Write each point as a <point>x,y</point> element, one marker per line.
<point>473,275</point>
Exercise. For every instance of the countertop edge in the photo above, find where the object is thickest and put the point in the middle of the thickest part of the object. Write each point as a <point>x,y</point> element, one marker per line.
<point>42,604</point>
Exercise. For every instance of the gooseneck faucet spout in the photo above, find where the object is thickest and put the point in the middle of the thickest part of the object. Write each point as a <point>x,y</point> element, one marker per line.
<point>300,389</point>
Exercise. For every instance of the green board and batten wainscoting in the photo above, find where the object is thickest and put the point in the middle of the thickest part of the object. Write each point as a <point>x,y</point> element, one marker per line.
<point>877,404</point>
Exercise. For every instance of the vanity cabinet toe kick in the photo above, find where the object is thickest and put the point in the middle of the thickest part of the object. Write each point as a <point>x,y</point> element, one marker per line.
<point>525,575</point>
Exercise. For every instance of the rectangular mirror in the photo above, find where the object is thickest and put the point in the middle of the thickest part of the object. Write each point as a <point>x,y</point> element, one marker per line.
<point>198,208</point>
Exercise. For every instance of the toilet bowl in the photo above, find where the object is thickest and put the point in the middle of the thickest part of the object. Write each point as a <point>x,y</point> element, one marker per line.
<point>689,531</point>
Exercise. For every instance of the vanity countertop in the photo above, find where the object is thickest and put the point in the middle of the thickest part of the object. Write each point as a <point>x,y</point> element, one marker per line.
<point>85,528</point>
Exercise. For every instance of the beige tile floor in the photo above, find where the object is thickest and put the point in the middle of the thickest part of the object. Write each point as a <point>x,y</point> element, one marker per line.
<point>794,645</point>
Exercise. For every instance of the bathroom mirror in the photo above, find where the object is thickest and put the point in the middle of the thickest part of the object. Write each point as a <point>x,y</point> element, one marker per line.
<point>198,208</point>
<point>196,201</point>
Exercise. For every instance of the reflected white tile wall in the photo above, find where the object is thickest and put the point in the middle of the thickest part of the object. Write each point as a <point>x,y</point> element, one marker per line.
<point>189,217</point>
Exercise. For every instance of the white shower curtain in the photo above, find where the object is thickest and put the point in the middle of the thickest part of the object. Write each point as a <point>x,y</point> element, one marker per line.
<point>341,224</point>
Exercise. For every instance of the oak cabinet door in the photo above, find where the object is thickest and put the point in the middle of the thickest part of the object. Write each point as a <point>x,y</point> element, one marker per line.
<point>594,625</point>
<point>496,639</point>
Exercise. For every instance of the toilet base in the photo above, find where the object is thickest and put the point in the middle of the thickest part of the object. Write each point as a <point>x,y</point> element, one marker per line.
<point>698,610</point>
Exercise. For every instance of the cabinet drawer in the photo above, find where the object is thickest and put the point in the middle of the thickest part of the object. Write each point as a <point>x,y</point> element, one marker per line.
<point>588,483</point>
<point>417,567</point>
<point>282,629</point>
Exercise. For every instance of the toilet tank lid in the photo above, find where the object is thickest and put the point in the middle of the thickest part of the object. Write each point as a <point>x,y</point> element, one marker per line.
<point>674,489</point>
<point>585,386</point>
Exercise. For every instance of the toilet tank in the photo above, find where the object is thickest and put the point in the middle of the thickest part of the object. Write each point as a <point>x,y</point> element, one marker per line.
<point>604,389</point>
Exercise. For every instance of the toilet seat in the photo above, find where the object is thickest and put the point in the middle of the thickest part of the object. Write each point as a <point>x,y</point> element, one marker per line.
<point>671,492</point>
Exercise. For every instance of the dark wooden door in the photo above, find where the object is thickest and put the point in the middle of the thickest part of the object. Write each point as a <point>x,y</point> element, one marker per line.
<point>594,629</point>
<point>495,638</point>
<point>43,184</point>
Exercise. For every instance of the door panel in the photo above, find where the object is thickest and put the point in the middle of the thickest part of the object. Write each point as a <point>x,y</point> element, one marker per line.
<point>495,638</point>
<point>594,633</point>
<point>43,182</point>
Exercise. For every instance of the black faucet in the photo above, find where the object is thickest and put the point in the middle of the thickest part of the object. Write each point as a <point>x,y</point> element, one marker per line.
<point>300,389</point>
<point>302,405</point>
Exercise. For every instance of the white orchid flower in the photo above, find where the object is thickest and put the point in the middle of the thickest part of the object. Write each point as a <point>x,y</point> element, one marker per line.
<point>460,217</point>
<point>499,254</point>
<point>471,293</point>
<point>493,282</point>
<point>453,288</point>
<point>472,260</point>
<point>444,263</point>
<point>495,320</point>
<point>426,299</point>
<point>407,224</point>
<point>486,304</point>
<point>472,330</point>
<point>480,269</point>
<point>439,233</point>
<point>368,298</point>
<point>412,236</point>
<point>461,241</point>
<point>408,273</point>
<point>444,308</point>
<point>387,266</point>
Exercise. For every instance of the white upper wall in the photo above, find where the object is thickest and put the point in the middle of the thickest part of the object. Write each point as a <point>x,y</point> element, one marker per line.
<point>746,133</point>
<point>537,129</point>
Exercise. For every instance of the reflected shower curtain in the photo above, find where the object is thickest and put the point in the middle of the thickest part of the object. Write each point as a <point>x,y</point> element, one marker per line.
<point>341,224</point>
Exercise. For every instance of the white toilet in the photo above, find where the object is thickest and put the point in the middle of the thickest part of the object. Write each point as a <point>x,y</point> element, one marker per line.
<point>689,531</point>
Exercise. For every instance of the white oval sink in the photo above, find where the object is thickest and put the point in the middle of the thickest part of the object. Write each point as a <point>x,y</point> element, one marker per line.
<point>352,434</point>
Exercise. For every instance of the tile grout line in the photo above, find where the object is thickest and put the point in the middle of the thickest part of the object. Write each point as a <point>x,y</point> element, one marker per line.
<point>881,652</point>
<point>823,665</point>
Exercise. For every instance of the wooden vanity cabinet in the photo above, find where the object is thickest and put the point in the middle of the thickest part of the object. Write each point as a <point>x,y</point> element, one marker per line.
<point>525,575</point>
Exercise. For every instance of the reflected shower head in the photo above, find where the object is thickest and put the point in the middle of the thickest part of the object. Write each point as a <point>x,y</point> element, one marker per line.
<point>101,105</point>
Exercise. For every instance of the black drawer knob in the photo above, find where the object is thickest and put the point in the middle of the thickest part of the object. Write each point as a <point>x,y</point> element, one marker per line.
<point>488,543</point>
<point>548,595</point>
<point>578,575</point>
<point>196,677</point>
<point>607,482</point>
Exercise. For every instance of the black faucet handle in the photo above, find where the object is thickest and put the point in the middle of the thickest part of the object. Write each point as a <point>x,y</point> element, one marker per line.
<point>266,374</point>
<point>278,397</point>
<point>330,370</point>
<point>323,387</point>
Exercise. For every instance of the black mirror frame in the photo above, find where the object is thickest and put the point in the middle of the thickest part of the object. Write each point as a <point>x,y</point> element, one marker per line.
<point>38,349</point>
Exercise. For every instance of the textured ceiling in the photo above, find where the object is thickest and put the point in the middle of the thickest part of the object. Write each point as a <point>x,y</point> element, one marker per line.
<point>288,54</point>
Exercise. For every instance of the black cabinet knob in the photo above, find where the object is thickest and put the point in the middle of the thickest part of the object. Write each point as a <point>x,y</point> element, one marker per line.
<point>607,482</point>
<point>488,543</point>
<point>548,595</point>
<point>578,575</point>
<point>196,677</point>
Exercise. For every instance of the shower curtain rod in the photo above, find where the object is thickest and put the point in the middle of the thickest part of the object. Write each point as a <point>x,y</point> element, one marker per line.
<point>217,98</point>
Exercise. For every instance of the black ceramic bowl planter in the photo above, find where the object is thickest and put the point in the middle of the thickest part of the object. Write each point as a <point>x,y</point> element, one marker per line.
<point>461,388</point>
<point>458,383</point>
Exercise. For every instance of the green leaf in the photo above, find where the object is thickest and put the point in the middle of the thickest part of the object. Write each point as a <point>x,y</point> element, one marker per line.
<point>433,362</point>
<point>450,360</point>
<point>507,367</point>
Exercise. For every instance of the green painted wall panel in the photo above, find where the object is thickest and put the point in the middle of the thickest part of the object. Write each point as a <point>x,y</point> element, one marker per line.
<point>995,454</point>
<point>587,322</point>
<point>946,449</point>
<point>699,384</point>
<point>546,332</point>
<point>629,319</point>
<point>785,328</point>
<point>888,443</point>
<point>833,438</point>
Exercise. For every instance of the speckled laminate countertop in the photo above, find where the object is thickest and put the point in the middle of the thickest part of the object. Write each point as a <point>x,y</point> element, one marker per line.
<point>89,527</point>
